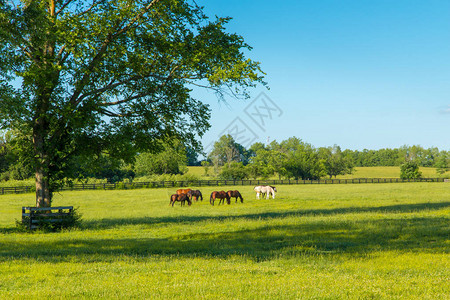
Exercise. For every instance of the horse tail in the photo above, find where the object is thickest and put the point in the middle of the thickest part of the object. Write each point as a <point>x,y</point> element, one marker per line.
<point>242,199</point>
<point>211,198</point>
<point>201,196</point>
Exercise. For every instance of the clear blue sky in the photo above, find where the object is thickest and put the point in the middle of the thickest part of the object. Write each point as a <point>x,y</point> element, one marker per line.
<point>360,74</point>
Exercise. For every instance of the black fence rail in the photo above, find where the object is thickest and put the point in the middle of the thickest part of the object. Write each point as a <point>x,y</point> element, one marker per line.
<point>16,190</point>
<point>200,183</point>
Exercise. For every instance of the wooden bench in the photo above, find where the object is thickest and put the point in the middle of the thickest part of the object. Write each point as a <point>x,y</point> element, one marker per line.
<point>36,217</point>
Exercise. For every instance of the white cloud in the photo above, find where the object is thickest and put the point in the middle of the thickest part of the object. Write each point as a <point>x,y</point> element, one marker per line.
<point>446,109</point>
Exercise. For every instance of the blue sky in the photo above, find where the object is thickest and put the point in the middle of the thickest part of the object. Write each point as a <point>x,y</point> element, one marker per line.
<point>360,74</point>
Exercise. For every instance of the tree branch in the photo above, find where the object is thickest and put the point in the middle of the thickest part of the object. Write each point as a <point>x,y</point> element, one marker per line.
<point>74,100</point>
<point>63,7</point>
<point>113,114</point>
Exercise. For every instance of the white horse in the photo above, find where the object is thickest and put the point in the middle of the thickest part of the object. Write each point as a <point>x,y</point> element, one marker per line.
<point>265,189</point>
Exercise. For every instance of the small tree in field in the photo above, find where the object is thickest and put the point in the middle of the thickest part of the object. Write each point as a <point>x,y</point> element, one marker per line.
<point>410,170</point>
<point>110,76</point>
<point>441,164</point>
<point>206,165</point>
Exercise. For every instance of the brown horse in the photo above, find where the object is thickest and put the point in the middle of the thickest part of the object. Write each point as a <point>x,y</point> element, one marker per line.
<point>219,195</point>
<point>235,194</point>
<point>195,193</point>
<point>182,198</point>
<point>183,191</point>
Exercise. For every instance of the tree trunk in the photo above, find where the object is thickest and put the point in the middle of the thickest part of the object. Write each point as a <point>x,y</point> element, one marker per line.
<point>43,193</point>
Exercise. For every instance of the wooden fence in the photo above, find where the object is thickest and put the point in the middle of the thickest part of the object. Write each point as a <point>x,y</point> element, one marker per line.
<point>200,183</point>
<point>36,217</point>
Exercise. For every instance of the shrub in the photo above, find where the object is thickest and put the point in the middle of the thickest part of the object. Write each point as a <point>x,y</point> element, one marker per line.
<point>410,170</point>
<point>233,171</point>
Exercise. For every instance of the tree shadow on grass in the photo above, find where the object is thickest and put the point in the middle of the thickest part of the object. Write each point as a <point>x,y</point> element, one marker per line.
<point>263,243</point>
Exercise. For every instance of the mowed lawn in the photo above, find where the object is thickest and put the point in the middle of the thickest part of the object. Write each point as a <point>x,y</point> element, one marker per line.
<point>367,241</point>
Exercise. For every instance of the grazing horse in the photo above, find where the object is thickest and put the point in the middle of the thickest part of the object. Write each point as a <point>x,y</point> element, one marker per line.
<point>265,189</point>
<point>195,193</point>
<point>235,194</point>
<point>219,195</point>
<point>182,198</point>
<point>183,191</point>
<point>274,189</point>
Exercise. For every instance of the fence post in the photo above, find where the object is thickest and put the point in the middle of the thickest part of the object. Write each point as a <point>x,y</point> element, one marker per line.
<point>31,218</point>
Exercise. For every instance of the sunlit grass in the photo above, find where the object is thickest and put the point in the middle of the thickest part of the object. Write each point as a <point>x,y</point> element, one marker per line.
<point>313,241</point>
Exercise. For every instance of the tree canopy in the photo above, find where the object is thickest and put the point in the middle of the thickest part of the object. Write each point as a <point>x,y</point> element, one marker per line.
<point>172,160</point>
<point>227,150</point>
<point>84,77</point>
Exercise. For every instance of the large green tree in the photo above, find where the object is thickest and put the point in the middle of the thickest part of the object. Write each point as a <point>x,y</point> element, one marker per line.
<point>335,162</point>
<point>227,150</point>
<point>82,77</point>
<point>172,160</point>
<point>302,160</point>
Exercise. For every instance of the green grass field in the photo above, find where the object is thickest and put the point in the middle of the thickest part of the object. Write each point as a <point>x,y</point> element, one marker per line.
<point>367,241</point>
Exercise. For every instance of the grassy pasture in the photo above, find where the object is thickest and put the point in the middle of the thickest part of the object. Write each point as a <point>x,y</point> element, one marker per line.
<point>376,241</point>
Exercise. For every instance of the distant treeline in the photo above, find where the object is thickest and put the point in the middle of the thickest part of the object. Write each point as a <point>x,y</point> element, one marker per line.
<point>431,157</point>
<point>294,158</point>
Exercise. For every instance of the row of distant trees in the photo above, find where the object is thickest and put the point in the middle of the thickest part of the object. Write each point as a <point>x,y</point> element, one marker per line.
<point>291,158</point>
<point>294,158</point>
